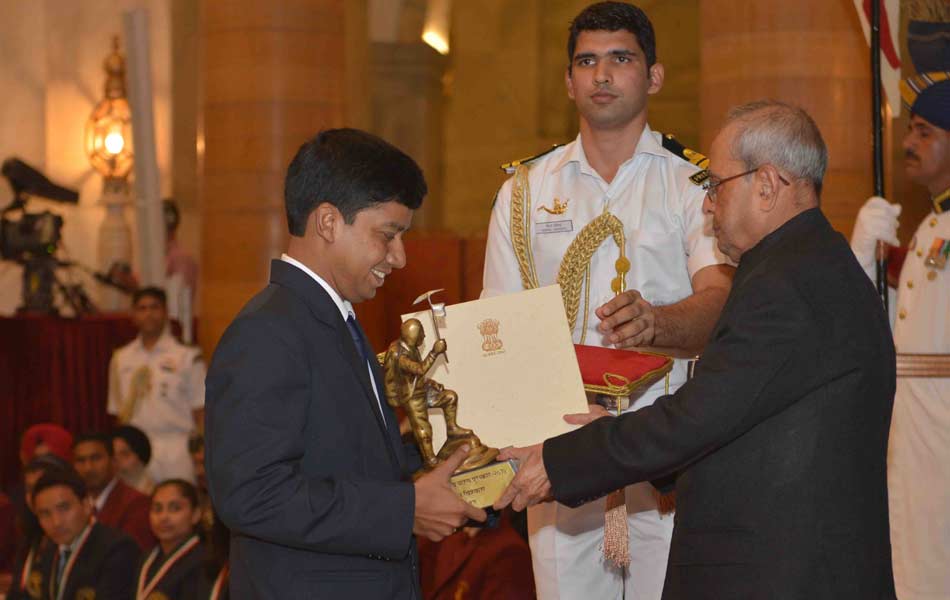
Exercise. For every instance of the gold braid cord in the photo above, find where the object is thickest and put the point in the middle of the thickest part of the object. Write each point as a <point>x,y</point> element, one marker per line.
<point>576,261</point>
<point>573,275</point>
<point>521,227</point>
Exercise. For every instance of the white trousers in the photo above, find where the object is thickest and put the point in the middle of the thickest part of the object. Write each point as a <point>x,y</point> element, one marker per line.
<point>918,478</point>
<point>170,457</point>
<point>567,550</point>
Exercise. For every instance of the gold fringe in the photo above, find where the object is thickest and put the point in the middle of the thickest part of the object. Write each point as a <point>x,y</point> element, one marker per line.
<point>616,534</point>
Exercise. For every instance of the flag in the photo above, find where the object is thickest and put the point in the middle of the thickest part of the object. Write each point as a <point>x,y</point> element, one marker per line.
<point>890,47</point>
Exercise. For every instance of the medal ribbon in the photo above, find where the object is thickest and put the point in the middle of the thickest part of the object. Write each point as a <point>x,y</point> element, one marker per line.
<point>144,590</point>
<point>27,569</point>
<point>61,584</point>
<point>219,582</point>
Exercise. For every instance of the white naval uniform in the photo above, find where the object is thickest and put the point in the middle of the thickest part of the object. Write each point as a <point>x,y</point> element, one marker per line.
<point>661,211</point>
<point>918,474</point>
<point>177,387</point>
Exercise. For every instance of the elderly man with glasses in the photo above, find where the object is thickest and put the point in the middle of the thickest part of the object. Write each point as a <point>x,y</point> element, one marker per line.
<point>779,441</point>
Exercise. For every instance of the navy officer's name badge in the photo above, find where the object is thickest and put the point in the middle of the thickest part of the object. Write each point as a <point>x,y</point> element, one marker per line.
<point>554,226</point>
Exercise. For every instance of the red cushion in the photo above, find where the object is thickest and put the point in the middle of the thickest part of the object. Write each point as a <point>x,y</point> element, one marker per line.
<point>625,370</point>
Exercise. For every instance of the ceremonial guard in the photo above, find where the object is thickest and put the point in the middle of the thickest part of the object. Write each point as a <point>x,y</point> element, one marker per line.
<point>919,447</point>
<point>157,384</point>
<point>614,218</point>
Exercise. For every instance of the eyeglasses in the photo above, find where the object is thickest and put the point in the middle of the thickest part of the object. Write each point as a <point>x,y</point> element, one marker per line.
<point>712,183</point>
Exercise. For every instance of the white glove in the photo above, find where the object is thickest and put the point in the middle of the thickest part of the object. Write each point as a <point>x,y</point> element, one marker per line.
<point>877,220</point>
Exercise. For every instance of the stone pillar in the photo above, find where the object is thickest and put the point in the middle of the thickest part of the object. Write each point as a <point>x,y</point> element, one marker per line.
<point>809,53</point>
<point>407,112</point>
<point>273,74</point>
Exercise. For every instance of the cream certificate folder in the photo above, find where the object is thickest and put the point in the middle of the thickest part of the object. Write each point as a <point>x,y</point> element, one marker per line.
<point>512,363</point>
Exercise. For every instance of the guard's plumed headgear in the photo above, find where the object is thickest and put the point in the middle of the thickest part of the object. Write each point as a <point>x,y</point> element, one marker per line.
<point>928,96</point>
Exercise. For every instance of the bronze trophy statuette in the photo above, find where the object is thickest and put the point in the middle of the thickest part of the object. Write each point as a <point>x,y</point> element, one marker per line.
<point>479,480</point>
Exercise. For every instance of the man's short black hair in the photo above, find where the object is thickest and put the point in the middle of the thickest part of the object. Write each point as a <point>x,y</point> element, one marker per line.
<point>613,16</point>
<point>94,436</point>
<point>65,477</point>
<point>46,462</point>
<point>136,440</point>
<point>150,292</point>
<point>352,170</point>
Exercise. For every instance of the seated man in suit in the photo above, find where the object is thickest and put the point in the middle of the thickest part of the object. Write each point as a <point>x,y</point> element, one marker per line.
<point>86,559</point>
<point>779,442</point>
<point>117,504</point>
<point>304,460</point>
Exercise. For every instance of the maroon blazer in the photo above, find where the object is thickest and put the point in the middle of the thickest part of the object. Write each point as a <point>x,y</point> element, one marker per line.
<point>126,509</point>
<point>495,564</point>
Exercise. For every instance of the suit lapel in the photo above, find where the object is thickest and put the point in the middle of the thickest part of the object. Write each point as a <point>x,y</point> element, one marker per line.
<point>325,310</point>
<point>390,428</point>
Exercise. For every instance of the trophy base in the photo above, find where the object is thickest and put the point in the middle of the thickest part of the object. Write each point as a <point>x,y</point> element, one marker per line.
<point>478,454</point>
<point>483,485</point>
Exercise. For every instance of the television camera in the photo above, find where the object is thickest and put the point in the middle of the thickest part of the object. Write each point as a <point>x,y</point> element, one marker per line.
<point>32,239</point>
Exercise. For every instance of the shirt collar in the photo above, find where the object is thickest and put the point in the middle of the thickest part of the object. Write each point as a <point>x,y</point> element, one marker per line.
<point>160,343</point>
<point>647,144</point>
<point>346,309</point>
<point>100,500</point>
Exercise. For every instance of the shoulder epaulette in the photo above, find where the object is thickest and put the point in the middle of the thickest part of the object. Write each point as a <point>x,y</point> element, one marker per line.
<point>511,166</point>
<point>690,156</point>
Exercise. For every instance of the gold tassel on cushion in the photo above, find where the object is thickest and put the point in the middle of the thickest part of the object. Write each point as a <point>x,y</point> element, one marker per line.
<point>616,534</point>
<point>665,503</point>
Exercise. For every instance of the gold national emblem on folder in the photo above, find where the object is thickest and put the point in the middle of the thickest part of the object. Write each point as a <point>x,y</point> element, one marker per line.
<point>491,343</point>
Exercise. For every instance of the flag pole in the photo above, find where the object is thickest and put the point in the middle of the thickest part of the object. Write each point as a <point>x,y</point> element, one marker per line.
<point>877,129</point>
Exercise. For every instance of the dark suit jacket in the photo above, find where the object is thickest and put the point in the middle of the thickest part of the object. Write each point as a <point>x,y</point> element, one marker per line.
<point>105,565</point>
<point>126,509</point>
<point>301,468</point>
<point>780,438</point>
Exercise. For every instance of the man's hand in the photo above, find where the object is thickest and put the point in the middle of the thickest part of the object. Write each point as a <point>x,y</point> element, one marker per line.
<point>439,510</point>
<point>627,320</point>
<point>531,485</point>
<point>439,347</point>
<point>595,411</point>
<point>877,220</point>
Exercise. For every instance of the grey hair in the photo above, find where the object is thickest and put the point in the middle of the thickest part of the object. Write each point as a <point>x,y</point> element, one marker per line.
<point>772,132</point>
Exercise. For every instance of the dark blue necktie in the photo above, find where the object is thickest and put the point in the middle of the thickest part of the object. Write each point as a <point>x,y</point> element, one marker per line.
<point>366,353</point>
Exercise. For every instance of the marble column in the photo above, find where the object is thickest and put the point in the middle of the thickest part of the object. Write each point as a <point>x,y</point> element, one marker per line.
<point>273,74</point>
<point>809,53</point>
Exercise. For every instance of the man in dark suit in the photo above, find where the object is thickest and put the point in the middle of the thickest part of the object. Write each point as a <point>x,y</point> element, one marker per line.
<point>117,504</point>
<point>779,441</point>
<point>304,460</point>
<point>86,560</point>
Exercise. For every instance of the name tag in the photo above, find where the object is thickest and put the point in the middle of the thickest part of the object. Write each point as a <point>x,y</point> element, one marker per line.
<point>554,226</point>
